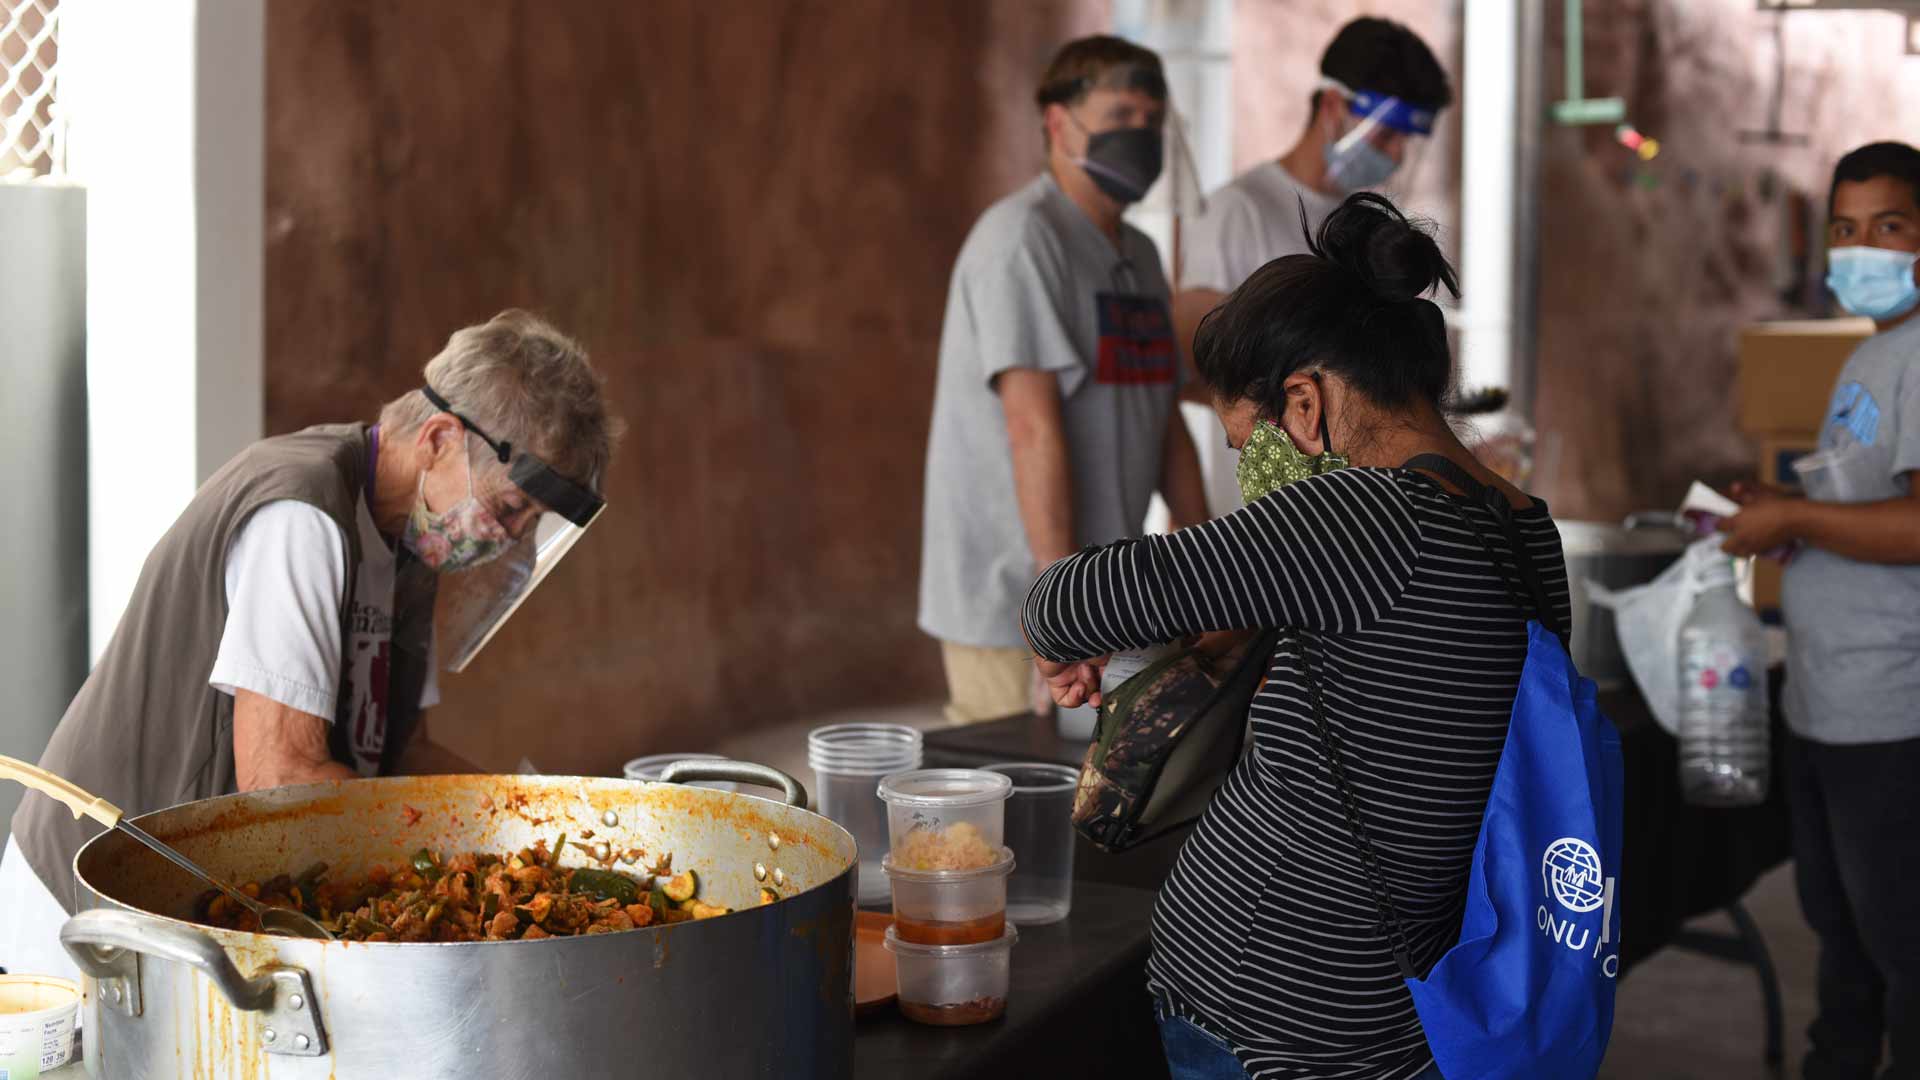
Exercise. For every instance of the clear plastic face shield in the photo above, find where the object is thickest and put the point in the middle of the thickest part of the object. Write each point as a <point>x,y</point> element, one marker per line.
<point>544,514</point>
<point>1383,138</point>
<point>1125,150</point>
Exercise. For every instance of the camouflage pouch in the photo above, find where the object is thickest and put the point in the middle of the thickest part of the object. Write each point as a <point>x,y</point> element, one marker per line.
<point>1165,741</point>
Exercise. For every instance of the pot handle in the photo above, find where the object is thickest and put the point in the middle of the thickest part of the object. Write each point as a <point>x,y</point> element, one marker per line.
<point>740,772</point>
<point>107,945</point>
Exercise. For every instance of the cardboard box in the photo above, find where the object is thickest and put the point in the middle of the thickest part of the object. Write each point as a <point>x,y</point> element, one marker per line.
<point>1777,455</point>
<point>1787,372</point>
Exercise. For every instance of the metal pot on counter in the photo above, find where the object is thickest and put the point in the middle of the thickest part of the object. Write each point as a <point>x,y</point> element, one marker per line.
<point>1617,557</point>
<point>766,991</point>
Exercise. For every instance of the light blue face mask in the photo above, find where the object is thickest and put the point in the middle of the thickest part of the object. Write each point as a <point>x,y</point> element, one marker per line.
<point>1360,166</point>
<point>1873,282</point>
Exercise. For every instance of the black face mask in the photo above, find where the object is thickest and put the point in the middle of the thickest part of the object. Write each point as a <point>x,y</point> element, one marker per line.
<point>1124,162</point>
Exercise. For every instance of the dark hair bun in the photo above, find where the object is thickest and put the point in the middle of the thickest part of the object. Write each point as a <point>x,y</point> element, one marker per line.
<point>1396,259</point>
<point>1354,307</point>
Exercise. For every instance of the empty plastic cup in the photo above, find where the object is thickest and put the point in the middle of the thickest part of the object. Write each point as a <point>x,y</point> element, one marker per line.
<point>1842,474</point>
<point>848,761</point>
<point>1039,829</point>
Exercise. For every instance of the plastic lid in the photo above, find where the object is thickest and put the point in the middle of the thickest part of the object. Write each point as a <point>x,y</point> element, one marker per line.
<point>946,788</point>
<point>1003,943</point>
<point>1000,867</point>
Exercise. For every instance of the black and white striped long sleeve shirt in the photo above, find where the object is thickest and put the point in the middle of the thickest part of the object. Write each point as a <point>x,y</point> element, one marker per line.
<point>1265,934</point>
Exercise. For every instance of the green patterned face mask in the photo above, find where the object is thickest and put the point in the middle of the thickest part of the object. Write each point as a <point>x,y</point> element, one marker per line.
<point>1269,461</point>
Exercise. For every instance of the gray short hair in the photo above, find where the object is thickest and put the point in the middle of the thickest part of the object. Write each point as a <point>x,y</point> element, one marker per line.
<point>520,380</point>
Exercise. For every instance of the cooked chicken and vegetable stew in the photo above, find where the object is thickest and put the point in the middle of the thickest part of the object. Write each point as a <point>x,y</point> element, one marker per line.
<point>522,896</point>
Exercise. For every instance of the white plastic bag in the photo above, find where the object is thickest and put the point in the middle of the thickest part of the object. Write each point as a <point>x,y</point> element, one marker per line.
<point>1647,619</point>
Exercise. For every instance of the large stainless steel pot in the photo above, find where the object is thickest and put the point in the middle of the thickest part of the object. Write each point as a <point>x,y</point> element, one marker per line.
<point>1615,556</point>
<point>763,992</point>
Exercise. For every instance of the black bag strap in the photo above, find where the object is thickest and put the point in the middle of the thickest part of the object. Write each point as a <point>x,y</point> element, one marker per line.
<point>1390,925</point>
<point>1535,595</point>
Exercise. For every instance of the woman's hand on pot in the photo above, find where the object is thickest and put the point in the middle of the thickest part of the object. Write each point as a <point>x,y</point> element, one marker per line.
<point>1073,684</point>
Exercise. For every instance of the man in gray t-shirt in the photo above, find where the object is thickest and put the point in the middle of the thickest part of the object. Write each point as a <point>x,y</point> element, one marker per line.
<point>1053,415</point>
<point>1851,597</point>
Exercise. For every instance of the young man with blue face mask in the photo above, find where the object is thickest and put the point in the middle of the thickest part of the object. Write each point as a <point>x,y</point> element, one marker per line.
<point>1054,412</point>
<point>1378,96</point>
<point>1851,598</point>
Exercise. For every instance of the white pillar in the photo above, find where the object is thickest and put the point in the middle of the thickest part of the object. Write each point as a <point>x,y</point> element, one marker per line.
<point>1489,165</point>
<point>172,153</point>
<point>1195,41</point>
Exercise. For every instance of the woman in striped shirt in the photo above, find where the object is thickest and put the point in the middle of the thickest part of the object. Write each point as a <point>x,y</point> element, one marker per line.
<point>1396,594</point>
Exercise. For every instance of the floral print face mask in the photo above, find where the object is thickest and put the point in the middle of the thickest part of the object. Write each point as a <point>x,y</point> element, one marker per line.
<point>460,537</point>
<point>1269,461</point>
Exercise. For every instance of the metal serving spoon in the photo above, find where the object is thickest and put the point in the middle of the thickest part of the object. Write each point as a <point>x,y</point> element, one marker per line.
<point>274,920</point>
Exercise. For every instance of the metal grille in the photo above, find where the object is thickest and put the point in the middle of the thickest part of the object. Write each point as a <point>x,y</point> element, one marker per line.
<point>32,132</point>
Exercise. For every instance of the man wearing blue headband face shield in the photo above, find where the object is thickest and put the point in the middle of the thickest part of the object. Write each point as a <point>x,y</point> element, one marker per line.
<point>1851,598</point>
<point>1379,93</point>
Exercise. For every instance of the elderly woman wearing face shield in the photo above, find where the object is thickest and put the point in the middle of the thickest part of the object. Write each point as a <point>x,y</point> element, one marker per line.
<point>282,630</point>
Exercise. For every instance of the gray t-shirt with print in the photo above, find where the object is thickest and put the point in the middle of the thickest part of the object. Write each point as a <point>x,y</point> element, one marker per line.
<point>1853,657</point>
<point>1038,286</point>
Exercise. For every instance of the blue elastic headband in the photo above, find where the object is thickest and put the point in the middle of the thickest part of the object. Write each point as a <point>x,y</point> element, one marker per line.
<point>1383,109</point>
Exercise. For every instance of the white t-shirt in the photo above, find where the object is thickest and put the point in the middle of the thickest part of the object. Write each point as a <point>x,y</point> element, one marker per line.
<point>286,582</point>
<point>1250,222</point>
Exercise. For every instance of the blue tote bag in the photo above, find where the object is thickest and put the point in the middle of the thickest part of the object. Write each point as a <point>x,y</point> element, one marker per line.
<point>1528,990</point>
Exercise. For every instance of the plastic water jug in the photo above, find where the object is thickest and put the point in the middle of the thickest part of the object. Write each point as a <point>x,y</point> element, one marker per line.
<point>1724,729</point>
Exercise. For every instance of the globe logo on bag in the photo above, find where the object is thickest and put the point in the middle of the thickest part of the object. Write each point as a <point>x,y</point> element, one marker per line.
<point>1571,872</point>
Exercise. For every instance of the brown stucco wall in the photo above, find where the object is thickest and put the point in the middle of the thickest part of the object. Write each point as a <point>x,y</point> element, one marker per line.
<point>1647,275</point>
<point>748,212</point>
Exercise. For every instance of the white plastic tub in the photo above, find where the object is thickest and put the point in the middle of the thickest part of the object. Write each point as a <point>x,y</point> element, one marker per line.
<point>950,907</point>
<point>946,819</point>
<point>36,1024</point>
<point>953,985</point>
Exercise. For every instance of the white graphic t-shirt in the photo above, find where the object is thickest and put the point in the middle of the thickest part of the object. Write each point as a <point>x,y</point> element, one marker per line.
<point>286,579</point>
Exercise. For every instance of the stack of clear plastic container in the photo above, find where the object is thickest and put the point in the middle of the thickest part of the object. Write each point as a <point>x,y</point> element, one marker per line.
<point>947,865</point>
<point>847,761</point>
